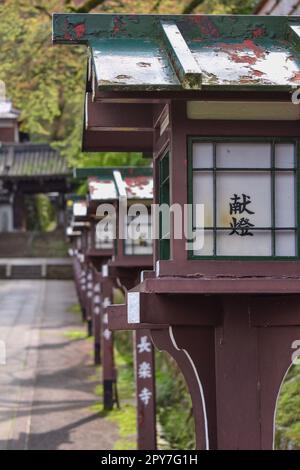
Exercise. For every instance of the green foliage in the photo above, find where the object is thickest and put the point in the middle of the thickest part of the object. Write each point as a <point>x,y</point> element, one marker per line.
<point>45,213</point>
<point>174,408</point>
<point>125,366</point>
<point>75,308</point>
<point>174,405</point>
<point>125,418</point>
<point>55,247</point>
<point>32,222</point>
<point>47,82</point>
<point>288,412</point>
<point>40,214</point>
<point>118,296</point>
<point>124,356</point>
<point>75,335</point>
<point>99,391</point>
<point>225,7</point>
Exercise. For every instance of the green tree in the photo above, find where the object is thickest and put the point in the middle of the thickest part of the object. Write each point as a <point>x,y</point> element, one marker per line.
<point>288,412</point>
<point>47,83</point>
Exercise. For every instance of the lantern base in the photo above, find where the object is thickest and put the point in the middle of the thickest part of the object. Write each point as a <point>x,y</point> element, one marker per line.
<point>97,354</point>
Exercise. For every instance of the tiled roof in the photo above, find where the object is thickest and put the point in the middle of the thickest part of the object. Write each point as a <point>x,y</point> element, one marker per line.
<point>31,160</point>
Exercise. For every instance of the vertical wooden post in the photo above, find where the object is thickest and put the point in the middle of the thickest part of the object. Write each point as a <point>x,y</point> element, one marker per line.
<point>83,282</point>
<point>19,211</point>
<point>145,390</point>
<point>89,301</point>
<point>96,310</point>
<point>109,371</point>
<point>77,273</point>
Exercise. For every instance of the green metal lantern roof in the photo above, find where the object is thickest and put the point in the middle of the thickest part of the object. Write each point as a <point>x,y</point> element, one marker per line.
<point>111,183</point>
<point>162,52</point>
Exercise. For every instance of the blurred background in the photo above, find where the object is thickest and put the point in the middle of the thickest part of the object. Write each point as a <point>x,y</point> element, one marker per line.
<point>41,96</point>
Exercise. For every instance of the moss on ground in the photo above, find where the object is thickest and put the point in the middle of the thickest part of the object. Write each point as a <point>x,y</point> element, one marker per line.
<point>125,378</point>
<point>75,308</point>
<point>98,391</point>
<point>125,418</point>
<point>75,335</point>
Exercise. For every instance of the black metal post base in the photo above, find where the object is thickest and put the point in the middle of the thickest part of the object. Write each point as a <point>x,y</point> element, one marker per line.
<point>108,394</point>
<point>97,354</point>
<point>83,314</point>
<point>89,328</point>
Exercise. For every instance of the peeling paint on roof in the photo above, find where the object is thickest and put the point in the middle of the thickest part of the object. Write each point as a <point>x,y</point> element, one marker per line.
<point>131,62</point>
<point>102,189</point>
<point>146,52</point>
<point>247,62</point>
<point>139,187</point>
<point>80,209</point>
<point>136,187</point>
<point>103,184</point>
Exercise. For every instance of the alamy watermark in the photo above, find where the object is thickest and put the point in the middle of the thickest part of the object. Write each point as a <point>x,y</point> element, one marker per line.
<point>296,354</point>
<point>137,221</point>
<point>296,96</point>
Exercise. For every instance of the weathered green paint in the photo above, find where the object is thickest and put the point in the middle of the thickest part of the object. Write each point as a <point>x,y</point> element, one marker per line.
<point>74,197</point>
<point>181,57</point>
<point>105,172</point>
<point>132,63</point>
<point>161,52</point>
<point>83,28</point>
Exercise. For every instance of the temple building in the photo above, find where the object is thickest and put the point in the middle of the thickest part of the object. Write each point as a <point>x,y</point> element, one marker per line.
<point>26,169</point>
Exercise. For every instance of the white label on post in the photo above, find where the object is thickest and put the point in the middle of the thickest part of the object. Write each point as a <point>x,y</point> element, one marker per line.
<point>133,307</point>
<point>105,270</point>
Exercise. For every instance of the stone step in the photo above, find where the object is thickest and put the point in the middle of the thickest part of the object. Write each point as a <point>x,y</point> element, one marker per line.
<point>38,268</point>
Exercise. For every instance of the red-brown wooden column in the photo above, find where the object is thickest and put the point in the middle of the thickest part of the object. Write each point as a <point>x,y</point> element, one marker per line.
<point>233,368</point>
<point>96,307</point>
<point>83,285</point>
<point>145,390</point>
<point>77,279</point>
<point>145,383</point>
<point>89,301</point>
<point>109,371</point>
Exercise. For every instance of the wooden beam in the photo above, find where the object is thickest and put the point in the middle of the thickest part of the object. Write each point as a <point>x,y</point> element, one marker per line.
<point>117,320</point>
<point>117,141</point>
<point>182,59</point>
<point>117,117</point>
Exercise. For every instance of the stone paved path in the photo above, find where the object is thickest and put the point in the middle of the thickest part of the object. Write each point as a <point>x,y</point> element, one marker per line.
<point>47,383</point>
